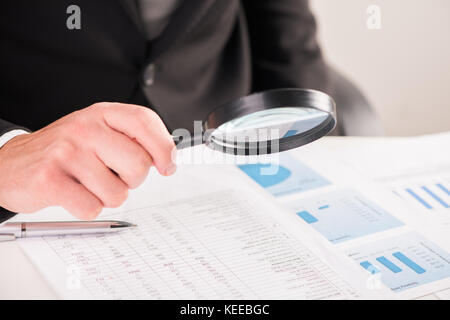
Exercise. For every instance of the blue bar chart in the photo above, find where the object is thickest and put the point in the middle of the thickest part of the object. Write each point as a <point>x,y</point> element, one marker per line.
<point>408,262</point>
<point>343,215</point>
<point>443,188</point>
<point>389,264</point>
<point>428,196</point>
<point>436,197</point>
<point>287,177</point>
<point>404,261</point>
<point>369,267</point>
<point>419,198</point>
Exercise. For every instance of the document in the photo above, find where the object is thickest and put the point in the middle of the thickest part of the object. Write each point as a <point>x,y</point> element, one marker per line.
<point>406,261</point>
<point>414,169</point>
<point>330,223</point>
<point>202,234</point>
<point>343,215</point>
<point>398,235</point>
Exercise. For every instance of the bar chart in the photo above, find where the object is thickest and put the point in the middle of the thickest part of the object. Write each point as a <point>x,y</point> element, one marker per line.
<point>286,177</point>
<point>403,262</point>
<point>427,196</point>
<point>343,215</point>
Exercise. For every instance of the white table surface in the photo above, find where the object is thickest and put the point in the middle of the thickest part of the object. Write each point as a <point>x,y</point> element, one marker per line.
<point>19,279</point>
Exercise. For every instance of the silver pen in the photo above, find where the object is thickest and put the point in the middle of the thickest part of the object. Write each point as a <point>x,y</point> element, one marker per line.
<point>12,230</point>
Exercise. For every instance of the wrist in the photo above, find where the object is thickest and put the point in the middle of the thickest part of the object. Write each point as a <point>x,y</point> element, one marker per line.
<point>4,139</point>
<point>7,136</point>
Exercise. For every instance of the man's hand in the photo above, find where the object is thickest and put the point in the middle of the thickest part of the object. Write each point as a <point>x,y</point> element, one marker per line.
<point>85,161</point>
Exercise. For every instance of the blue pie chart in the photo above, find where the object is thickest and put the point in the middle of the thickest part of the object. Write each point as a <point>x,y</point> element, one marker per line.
<point>255,171</point>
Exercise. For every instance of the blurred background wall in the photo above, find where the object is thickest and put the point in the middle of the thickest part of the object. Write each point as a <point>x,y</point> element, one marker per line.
<point>403,68</point>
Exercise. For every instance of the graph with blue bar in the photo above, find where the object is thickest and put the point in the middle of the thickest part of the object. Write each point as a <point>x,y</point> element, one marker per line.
<point>287,177</point>
<point>389,264</point>
<point>403,262</point>
<point>431,196</point>
<point>343,215</point>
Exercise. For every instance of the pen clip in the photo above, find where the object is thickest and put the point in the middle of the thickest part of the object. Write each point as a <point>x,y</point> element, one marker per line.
<point>7,237</point>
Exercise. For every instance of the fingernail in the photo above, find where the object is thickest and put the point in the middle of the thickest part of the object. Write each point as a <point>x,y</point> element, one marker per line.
<point>171,169</point>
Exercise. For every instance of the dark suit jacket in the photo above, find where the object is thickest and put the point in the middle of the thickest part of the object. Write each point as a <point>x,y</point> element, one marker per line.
<point>211,51</point>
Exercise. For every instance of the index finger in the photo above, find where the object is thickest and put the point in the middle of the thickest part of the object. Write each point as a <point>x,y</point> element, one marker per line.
<point>147,128</point>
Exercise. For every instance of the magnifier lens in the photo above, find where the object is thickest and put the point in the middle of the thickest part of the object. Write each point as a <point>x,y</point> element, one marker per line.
<point>266,122</point>
<point>273,124</point>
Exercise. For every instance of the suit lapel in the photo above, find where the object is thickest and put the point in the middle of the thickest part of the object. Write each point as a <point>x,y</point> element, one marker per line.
<point>132,10</point>
<point>183,20</point>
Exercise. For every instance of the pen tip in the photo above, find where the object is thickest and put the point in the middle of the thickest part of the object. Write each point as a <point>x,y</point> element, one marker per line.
<point>122,224</point>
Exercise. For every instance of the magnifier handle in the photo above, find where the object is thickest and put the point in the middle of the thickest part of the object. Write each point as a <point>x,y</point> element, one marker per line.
<point>182,142</point>
<point>177,140</point>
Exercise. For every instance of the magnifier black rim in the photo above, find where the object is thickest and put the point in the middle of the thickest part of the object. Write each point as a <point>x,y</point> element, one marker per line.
<point>276,98</point>
<point>269,99</point>
<point>284,144</point>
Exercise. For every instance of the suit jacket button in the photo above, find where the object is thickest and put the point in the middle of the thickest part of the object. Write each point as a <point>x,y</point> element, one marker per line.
<point>149,75</point>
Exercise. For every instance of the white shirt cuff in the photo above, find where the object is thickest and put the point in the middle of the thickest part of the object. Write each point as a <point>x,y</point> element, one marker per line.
<point>4,138</point>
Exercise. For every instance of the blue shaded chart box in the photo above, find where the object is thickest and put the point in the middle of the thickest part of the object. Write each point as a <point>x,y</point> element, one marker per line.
<point>403,262</point>
<point>287,177</point>
<point>343,215</point>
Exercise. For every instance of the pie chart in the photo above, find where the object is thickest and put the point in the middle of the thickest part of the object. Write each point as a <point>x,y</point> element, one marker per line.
<point>256,172</point>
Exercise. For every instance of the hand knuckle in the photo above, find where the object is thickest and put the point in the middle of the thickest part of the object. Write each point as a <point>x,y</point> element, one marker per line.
<point>137,178</point>
<point>118,198</point>
<point>79,127</point>
<point>46,175</point>
<point>62,151</point>
<point>145,117</point>
<point>143,163</point>
<point>139,171</point>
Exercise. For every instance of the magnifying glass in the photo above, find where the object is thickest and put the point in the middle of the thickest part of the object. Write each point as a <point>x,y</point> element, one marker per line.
<point>266,122</point>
